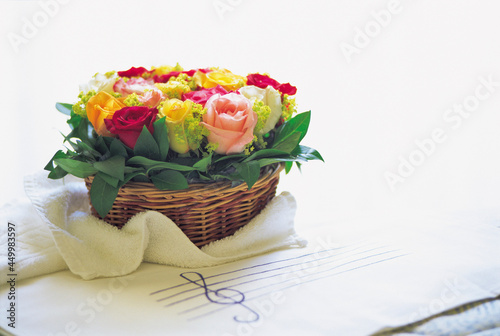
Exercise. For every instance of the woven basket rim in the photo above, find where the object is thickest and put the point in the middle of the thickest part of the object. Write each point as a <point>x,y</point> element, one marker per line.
<point>267,173</point>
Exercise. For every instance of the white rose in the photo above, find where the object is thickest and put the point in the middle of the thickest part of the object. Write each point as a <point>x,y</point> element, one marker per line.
<point>270,97</point>
<point>100,82</point>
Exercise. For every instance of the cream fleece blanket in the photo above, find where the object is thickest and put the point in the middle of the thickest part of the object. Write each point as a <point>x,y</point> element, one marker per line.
<point>55,231</point>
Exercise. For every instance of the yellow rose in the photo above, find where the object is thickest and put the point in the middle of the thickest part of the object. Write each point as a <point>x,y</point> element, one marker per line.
<point>165,69</point>
<point>102,106</point>
<point>222,77</point>
<point>175,112</point>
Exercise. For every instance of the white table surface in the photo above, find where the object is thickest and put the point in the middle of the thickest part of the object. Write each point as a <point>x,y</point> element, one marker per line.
<point>341,284</point>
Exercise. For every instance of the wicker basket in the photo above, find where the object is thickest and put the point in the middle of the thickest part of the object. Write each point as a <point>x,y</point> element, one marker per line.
<point>204,212</point>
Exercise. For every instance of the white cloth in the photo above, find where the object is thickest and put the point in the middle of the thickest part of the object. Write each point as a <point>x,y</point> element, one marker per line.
<point>55,232</point>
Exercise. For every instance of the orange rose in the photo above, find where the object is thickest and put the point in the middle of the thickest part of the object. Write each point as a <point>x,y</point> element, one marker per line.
<point>222,77</point>
<point>102,106</point>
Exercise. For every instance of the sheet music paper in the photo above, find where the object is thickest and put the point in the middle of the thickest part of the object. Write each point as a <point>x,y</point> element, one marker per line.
<point>236,290</point>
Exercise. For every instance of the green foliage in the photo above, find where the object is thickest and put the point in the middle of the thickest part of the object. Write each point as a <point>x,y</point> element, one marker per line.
<point>289,130</point>
<point>78,168</point>
<point>64,108</point>
<point>160,135</point>
<point>102,195</point>
<point>249,172</point>
<point>147,146</point>
<point>114,166</point>
<point>169,180</point>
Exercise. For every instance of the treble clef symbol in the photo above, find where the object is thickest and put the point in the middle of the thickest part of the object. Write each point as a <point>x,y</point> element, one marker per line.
<point>223,296</point>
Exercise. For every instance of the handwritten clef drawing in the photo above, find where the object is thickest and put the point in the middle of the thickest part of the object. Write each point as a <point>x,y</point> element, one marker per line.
<point>222,296</point>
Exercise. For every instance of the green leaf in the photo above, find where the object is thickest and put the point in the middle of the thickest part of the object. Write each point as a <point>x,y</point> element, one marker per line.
<point>57,173</point>
<point>141,178</point>
<point>169,180</point>
<point>146,145</point>
<point>249,172</point>
<point>184,161</point>
<point>231,177</point>
<point>153,164</point>
<point>118,148</point>
<point>202,176</point>
<point>114,166</point>
<point>86,150</point>
<point>229,157</point>
<point>288,166</point>
<point>64,108</point>
<point>161,137</point>
<point>289,144</point>
<point>129,170</point>
<point>102,195</point>
<point>113,181</point>
<point>100,146</point>
<point>80,128</point>
<point>269,161</point>
<point>299,123</point>
<point>299,165</point>
<point>265,153</point>
<point>74,121</point>
<point>58,155</point>
<point>133,174</point>
<point>76,168</point>
<point>307,153</point>
<point>202,165</point>
<point>75,146</point>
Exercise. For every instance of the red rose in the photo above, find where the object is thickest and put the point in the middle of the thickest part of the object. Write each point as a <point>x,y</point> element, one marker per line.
<point>263,81</point>
<point>128,122</point>
<point>287,88</point>
<point>201,96</point>
<point>164,78</point>
<point>134,72</point>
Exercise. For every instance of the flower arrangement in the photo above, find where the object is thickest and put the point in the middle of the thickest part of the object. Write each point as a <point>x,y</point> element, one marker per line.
<point>173,127</point>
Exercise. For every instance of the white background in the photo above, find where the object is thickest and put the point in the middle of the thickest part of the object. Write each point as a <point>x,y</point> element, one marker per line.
<point>368,108</point>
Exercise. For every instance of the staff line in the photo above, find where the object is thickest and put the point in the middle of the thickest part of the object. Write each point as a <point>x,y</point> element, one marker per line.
<point>257,273</point>
<point>284,288</point>
<point>255,266</point>
<point>278,283</point>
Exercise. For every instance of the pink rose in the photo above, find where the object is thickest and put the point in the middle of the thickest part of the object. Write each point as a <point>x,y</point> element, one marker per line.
<point>201,97</point>
<point>136,85</point>
<point>151,98</point>
<point>231,121</point>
